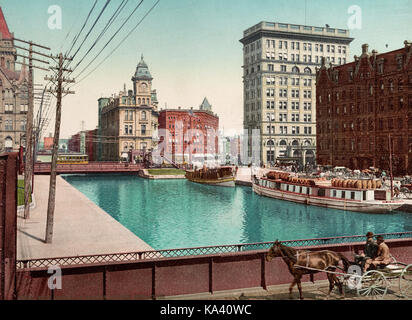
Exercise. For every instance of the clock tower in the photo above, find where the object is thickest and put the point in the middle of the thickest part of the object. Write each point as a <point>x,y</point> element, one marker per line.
<point>142,84</point>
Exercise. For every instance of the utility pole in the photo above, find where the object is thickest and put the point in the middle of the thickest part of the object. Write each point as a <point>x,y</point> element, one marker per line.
<point>36,136</point>
<point>390,164</point>
<point>52,189</point>
<point>29,123</point>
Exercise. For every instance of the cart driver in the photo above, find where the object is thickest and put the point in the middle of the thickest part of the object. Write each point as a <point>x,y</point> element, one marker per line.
<point>370,251</point>
<point>383,256</point>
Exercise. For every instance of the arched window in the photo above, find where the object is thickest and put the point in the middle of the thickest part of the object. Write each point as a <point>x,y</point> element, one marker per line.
<point>309,154</point>
<point>297,153</point>
<point>307,70</point>
<point>8,142</point>
<point>143,115</point>
<point>295,70</point>
<point>282,143</point>
<point>307,143</point>
<point>139,101</point>
<point>270,143</point>
<point>295,143</point>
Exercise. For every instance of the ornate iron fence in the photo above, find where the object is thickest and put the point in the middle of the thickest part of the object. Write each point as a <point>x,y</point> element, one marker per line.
<point>197,251</point>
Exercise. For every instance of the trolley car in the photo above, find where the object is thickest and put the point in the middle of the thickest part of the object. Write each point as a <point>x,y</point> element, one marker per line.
<point>72,159</point>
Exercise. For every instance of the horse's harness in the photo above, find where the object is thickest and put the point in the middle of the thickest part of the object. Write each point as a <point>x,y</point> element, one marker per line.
<point>297,256</point>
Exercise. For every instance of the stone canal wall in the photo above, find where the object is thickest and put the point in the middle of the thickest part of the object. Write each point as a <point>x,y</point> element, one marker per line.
<point>163,277</point>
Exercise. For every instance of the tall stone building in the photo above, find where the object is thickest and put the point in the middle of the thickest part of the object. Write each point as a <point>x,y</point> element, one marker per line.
<point>13,93</point>
<point>128,122</point>
<point>363,103</point>
<point>280,62</point>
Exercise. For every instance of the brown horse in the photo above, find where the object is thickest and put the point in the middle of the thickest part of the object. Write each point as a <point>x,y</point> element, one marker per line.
<point>324,260</point>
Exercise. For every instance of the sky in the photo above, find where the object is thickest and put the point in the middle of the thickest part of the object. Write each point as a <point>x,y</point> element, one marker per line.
<point>192,47</point>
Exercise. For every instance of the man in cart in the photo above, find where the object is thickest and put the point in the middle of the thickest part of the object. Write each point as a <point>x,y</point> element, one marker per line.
<point>370,251</point>
<point>383,257</point>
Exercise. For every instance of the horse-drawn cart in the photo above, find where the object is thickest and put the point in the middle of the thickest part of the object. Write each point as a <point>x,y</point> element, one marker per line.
<point>374,284</point>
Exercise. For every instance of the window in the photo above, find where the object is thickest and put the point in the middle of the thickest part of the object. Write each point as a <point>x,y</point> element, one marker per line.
<point>283,68</point>
<point>295,93</point>
<point>143,129</point>
<point>307,94</point>
<point>282,117</point>
<point>295,70</point>
<point>24,108</point>
<point>295,130</point>
<point>307,118</point>
<point>283,93</point>
<point>295,117</point>
<point>270,67</point>
<point>8,125</point>
<point>307,106</point>
<point>307,130</point>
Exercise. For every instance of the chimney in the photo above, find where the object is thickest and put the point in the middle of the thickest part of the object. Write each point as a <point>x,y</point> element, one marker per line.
<point>365,48</point>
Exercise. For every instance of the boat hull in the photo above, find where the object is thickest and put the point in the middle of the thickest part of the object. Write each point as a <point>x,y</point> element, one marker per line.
<point>221,183</point>
<point>358,206</point>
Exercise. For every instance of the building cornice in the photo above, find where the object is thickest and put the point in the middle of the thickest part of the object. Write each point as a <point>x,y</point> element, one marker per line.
<point>294,36</point>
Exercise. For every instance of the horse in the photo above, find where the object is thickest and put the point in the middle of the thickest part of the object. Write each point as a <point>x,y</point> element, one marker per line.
<point>298,260</point>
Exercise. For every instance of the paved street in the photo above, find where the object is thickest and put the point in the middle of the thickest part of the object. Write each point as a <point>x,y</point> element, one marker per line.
<point>316,291</point>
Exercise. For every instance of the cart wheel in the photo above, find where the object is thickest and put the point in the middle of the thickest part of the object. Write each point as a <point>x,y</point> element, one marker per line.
<point>405,282</point>
<point>372,285</point>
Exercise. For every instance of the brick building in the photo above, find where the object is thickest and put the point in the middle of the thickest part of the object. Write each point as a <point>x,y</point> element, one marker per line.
<point>14,98</point>
<point>363,103</point>
<point>48,142</point>
<point>189,134</point>
<point>84,142</point>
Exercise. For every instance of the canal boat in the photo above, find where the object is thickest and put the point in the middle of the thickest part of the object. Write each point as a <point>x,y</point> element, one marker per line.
<point>351,195</point>
<point>221,176</point>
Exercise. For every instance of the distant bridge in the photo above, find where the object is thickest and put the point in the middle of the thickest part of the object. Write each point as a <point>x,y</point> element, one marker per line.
<point>91,167</point>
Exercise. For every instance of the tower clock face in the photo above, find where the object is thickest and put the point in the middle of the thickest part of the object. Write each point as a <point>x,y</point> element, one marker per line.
<point>143,87</point>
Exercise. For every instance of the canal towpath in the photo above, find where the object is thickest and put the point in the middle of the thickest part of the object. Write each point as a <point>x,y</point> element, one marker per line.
<point>80,226</point>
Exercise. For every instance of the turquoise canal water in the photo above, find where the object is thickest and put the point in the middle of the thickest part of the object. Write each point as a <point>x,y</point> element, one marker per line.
<point>177,213</point>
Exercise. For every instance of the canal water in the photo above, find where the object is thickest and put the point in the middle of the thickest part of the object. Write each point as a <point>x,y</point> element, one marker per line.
<point>177,213</point>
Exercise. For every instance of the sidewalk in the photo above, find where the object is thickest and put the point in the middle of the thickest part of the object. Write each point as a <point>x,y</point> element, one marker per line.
<point>80,226</point>
<point>311,291</point>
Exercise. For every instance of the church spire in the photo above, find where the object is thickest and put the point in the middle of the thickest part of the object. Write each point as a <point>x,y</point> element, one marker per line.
<point>23,72</point>
<point>4,29</point>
